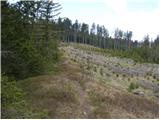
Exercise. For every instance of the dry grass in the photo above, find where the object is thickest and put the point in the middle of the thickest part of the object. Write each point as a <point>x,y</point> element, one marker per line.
<point>61,95</point>
<point>112,98</point>
<point>71,94</point>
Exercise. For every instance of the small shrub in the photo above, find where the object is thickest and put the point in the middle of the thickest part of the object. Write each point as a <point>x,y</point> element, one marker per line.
<point>81,66</point>
<point>95,69</point>
<point>154,77</point>
<point>101,71</point>
<point>14,105</point>
<point>117,75</point>
<point>74,60</point>
<point>132,86</point>
<point>134,63</point>
<point>88,67</point>
<point>10,92</point>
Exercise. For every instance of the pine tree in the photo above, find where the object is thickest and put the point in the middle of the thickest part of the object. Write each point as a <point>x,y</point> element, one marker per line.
<point>92,33</point>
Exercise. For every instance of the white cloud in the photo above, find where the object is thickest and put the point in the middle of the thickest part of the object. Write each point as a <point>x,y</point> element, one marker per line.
<point>119,6</point>
<point>140,22</point>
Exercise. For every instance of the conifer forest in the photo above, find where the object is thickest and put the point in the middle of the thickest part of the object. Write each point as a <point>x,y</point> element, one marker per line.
<point>55,68</point>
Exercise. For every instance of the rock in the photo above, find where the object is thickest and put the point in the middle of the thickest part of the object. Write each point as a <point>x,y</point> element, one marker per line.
<point>84,113</point>
<point>140,93</point>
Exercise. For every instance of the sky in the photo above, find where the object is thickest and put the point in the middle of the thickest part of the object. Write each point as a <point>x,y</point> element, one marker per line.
<point>142,17</point>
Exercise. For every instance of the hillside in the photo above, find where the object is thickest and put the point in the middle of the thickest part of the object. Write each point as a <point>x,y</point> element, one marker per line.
<point>91,84</point>
<point>57,65</point>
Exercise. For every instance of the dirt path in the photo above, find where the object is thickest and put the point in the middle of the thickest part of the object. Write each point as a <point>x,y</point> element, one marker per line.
<point>80,81</point>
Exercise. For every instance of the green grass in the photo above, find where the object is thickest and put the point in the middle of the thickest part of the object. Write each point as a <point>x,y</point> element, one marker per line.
<point>132,86</point>
<point>14,104</point>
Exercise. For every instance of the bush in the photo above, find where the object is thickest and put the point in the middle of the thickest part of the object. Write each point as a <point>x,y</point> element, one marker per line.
<point>13,104</point>
<point>117,75</point>
<point>101,71</point>
<point>95,69</point>
<point>10,92</point>
<point>132,86</point>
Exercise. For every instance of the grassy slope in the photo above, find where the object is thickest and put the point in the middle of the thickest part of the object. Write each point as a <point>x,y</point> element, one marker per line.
<point>72,93</point>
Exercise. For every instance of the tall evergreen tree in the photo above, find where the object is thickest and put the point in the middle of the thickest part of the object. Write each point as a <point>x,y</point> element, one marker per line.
<point>75,30</point>
<point>85,32</point>
<point>92,33</point>
<point>146,41</point>
<point>128,36</point>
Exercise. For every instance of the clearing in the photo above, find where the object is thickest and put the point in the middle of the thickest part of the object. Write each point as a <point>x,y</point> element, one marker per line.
<point>91,84</point>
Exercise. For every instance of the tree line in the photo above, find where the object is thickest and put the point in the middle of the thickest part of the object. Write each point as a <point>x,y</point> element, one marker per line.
<point>98,36</point>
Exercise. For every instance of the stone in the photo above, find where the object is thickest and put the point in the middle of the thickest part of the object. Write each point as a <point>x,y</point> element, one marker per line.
<point>140,93</point>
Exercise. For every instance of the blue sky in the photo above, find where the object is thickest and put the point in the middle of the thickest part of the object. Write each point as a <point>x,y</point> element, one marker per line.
<point>140,16</point>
